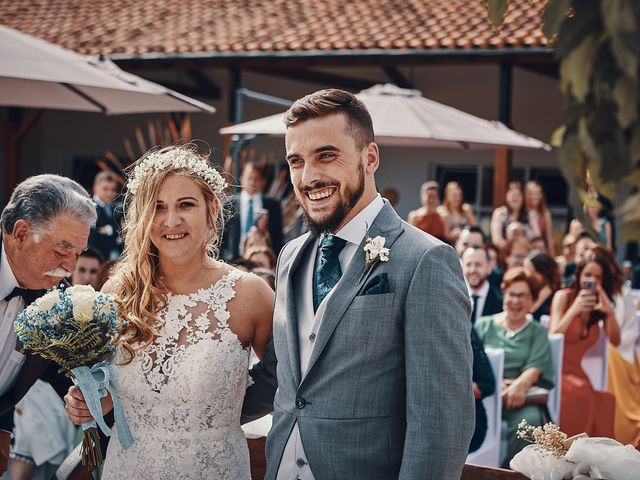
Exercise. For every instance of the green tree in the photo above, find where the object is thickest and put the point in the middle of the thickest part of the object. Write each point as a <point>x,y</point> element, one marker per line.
<point>597,46</point>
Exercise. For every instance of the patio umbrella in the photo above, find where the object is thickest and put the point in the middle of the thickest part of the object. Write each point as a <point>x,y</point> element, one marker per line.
<point>403,117</point>
<point>37,74</point>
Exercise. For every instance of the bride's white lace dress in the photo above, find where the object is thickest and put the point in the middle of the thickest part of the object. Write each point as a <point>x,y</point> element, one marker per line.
<point>183,395</point>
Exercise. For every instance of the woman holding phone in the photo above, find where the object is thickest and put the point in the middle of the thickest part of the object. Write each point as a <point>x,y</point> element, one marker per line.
<point>577,312</point>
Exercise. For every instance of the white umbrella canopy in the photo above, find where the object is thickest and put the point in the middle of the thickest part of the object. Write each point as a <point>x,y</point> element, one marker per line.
<point>38,74</point>
<point>403,117</point>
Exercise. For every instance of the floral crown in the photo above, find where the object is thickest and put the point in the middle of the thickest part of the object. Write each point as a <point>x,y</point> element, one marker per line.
<point>175,159</point>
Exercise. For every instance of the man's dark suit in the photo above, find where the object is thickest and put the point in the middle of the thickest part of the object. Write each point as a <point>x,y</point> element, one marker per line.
<point>108,215</point>
<point>493,302</point>
<point>230,249</point>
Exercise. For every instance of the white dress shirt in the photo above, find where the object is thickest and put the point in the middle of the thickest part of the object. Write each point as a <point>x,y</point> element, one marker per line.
<point>294,464</point>
<point>10,359</point>
<point>244,206</point>
<point>482,298</point>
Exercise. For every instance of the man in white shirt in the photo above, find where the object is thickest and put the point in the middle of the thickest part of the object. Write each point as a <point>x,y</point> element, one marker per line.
<point>45,227</point>
<point>374,357</point>
<point>485,300</point>
<point>247,208</point>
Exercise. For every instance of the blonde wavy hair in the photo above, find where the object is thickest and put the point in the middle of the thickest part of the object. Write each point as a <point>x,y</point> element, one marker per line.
<point>136,281</point>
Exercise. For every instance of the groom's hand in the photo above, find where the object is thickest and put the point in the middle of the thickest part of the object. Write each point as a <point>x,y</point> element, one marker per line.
<point>77,409</point>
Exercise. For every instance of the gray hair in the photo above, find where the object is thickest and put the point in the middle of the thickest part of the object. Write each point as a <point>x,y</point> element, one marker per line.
<point>40,199</point>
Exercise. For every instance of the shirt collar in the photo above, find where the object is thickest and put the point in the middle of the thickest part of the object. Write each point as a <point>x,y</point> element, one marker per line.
<point>7,279</point>
<point>355,230</point>
<point>482,293</point>
<point>512,333</point>
<point>244,196</point>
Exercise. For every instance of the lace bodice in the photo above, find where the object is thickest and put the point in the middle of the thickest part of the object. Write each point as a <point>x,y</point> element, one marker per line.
<point>183,394</point>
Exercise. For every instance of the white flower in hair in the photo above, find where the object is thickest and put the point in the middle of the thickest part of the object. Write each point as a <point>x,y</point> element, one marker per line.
<point>175,159</point>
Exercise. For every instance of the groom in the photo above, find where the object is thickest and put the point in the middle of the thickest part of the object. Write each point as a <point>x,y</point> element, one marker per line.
<point>374,360</point>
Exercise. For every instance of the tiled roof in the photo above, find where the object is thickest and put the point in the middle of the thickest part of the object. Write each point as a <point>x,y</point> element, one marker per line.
<point>137,27</point>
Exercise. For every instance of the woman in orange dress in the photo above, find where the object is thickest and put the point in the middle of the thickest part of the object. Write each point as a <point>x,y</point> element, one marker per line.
<point>427,218</point>
<point>576,312</point>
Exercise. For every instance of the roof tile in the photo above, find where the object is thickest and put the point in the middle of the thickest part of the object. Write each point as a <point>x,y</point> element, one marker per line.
<point>200,26</point>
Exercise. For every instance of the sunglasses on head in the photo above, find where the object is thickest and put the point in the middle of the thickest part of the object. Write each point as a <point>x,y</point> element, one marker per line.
<point>92,271</point>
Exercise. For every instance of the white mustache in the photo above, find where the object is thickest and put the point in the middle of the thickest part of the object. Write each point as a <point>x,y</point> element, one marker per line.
<point>58,272</point>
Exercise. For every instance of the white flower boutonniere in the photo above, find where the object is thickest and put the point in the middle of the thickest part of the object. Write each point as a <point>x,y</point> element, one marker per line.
<point>374,252</point>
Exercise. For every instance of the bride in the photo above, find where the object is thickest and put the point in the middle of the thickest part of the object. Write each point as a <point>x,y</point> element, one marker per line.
<point>183,362</point>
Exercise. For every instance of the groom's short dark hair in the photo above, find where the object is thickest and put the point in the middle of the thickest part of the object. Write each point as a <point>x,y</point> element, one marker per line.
<point>333,101</point>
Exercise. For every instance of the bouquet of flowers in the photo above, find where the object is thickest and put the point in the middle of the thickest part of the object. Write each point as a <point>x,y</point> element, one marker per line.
<point>77,328</point>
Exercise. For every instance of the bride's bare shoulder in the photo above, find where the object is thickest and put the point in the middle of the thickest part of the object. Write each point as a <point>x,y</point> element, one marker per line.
<point>251,288</point>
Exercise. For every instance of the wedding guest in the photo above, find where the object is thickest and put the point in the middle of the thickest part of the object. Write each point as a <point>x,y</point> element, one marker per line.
<point>485,299</point>
<point>514,252</point>
<point>105,273</point>
<point>539,215</point>
<point>455,211</point>
<point>512,211</point>
<point>245,208</point>
<point>577,312</point>
<point>575,228</point>
<point>566,261</point>
<point>262,257</point>
<point>484,385</point>
<point>45,226</point>
<point>427,218</point>
<point>516,229</point>
<point>538,244</point>
<point>527,354</point>
<point>585,243</point>
<point>105,236</point>
<point>44,436</point>
<point>495,275</point>
<point>88,267</point>
<point>470,235</point>
<point>623,379</point>
<point>392,195</point>
<point>544,269</point>
<point>600,224</point>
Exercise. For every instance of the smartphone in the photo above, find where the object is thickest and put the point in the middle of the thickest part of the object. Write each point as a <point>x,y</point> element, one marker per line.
<point>589,284</point>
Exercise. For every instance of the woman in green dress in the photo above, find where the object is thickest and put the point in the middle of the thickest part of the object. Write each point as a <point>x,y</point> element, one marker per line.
<point>527,353</point>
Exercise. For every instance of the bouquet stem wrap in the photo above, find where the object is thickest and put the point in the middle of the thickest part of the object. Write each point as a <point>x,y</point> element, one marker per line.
<point>95,383</point>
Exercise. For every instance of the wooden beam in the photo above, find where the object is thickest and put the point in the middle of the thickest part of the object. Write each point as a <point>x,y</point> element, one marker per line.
<point>314,76</point>
<point>502,156</point>
<point>397,77</point>
<point>501,173</point>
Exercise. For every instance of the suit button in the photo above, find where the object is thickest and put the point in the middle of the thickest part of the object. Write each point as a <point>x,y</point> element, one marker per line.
<point>312,337</point>
<point>300,463</point>
<point>300,403</point>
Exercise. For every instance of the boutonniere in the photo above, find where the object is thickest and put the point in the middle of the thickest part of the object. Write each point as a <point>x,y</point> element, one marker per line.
<point>374,252</point>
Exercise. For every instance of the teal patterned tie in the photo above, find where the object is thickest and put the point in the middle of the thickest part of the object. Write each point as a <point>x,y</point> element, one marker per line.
<point>328,272</point>
<point>249,222</point>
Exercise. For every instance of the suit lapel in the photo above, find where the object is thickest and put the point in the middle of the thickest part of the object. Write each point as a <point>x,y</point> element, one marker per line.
<point>292,317</point>
<point>386,224</point>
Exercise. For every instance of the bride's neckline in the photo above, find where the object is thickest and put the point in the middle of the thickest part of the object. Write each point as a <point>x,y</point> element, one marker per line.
<point>200,290</point>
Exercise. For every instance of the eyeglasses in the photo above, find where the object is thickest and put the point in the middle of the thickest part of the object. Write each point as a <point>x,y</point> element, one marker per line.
<point>92,271</point>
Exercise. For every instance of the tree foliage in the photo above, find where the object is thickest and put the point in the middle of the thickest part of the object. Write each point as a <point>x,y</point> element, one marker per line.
<point>597,46</point>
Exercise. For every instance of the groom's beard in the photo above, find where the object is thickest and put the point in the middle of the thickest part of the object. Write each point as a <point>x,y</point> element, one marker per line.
<point>335,218</point>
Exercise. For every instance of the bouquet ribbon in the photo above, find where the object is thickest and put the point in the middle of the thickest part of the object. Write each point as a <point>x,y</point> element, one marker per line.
<point>95,383</point>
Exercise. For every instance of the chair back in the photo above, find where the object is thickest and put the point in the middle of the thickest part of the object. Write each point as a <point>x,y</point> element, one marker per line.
<point>594,362</point>
<point>555,394</point>
<point>488,454</point>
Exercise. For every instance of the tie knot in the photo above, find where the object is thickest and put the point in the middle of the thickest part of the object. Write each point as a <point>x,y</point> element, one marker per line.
<point>332,244</point>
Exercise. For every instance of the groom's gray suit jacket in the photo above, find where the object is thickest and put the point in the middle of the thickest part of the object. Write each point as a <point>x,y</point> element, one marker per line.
<point>387,392</point>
